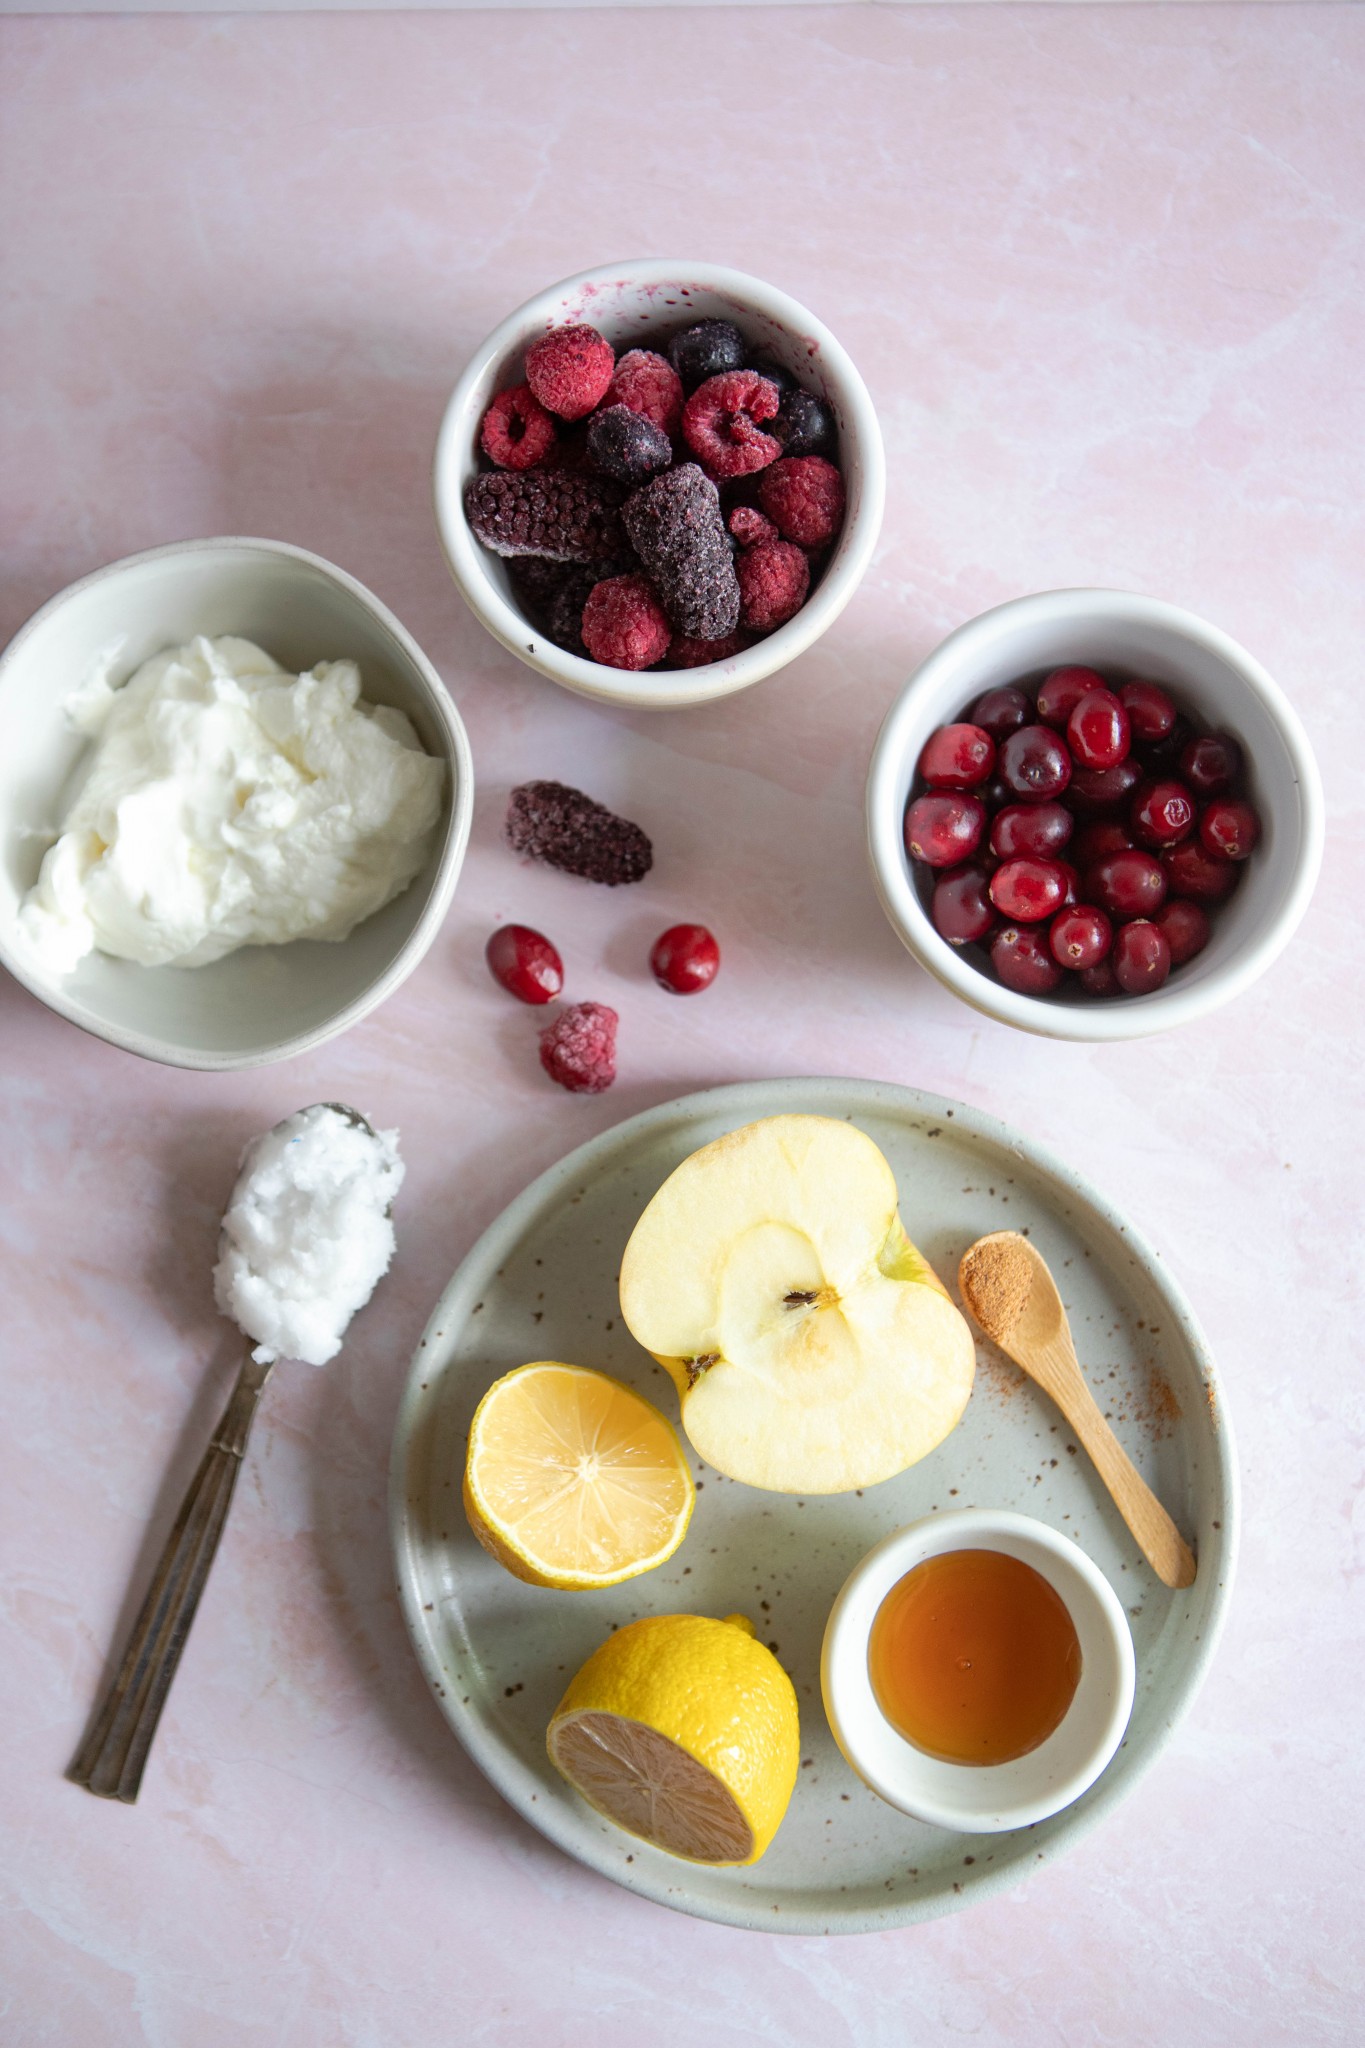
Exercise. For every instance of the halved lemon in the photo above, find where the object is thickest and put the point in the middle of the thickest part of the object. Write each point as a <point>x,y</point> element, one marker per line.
<point>683,1730</point>
<point>574,1480</point>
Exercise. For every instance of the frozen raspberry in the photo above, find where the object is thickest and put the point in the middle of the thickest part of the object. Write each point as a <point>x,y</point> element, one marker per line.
<point>773,577</point>
<point>685,653</point>
<point>720,423</point>
<point>804,424</point>
<point>627,446</point>
<point>517,431</point>
<point>707,350</point>
<point>545,512</point>
<point>804,497</point>
<point>549,821</point>
<point>680,537</point>
<point>569,370</point>
<point>579,1049</point>
<point>624,625</point>
<point>748,526</point>
<point>648,384</point>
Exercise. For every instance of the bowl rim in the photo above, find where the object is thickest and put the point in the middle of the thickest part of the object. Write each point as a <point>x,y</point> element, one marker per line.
<point>449,859</point>
<point>1132,1016</point>
<point>675,689</point>
<point>846,1689</point>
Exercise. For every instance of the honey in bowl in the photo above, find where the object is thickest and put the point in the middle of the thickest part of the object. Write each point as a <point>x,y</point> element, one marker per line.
<point>973,1657</point>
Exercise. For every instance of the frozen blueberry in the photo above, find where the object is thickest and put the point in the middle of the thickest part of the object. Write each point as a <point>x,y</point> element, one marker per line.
<point>707,350</point>
<point>803,425</point>
<point>625,445</point>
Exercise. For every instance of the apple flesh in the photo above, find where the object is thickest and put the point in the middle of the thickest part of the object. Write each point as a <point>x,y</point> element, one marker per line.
<point>812,1347</point>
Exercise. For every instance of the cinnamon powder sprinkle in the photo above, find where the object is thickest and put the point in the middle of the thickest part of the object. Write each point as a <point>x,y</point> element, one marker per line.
<point>995,1280</point>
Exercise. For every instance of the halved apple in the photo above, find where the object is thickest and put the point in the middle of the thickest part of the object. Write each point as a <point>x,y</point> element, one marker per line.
<point>812,1347</point>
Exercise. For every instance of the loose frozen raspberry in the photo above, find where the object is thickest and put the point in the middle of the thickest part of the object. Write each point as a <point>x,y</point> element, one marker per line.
<point>648,384</point>
<point>748,526</point>
<point>569,370</point>
<point>549,821</point>
<point>579,1049</point>
<point>804,424</point>
<point>680,537</point>
<point>625,445</point>
<point>545,512</point>
<point>517,431</point>
<point>720,423</point>
<point>707,350</point>
<point>773,577</point>
<point>804,496</point>
<point>685,653</point>
<point>624,625</point>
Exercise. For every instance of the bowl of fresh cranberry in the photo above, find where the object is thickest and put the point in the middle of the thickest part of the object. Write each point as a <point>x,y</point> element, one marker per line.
<point>660,482</point>
<point>1093,816</point>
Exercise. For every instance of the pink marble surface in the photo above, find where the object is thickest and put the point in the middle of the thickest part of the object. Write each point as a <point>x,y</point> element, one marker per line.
<point>1102,270</point>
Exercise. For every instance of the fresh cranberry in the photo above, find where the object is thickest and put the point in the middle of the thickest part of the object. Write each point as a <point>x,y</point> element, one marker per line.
<point>1191,870</point>
<point>1002,712</point>
<point>1095,790</point>
<point>1027,890</point>
<point>1020,957</point>
<point>1230,828</point>
<point>1185,926</point>
<point>1080,936</point>
<point>1210,764</point>
<point>1071,881</point>
<point>1129,883</point>
<point>1142,958</point>
<point>525,963</point>
<point>997,794</point>
<point>1163,756</point>
<point>1100,980</point>
<point>1034,764</point>
<point>1096,838</point>
<point>1162,813</point>
<point>1097,730</point>
<point>944,828</point>
<point>685,958</point>
<point>1062,692</point>
<point>961,908</point>
<point>1151,713</point>
<point>957,757</point>
<point>1039,829</point>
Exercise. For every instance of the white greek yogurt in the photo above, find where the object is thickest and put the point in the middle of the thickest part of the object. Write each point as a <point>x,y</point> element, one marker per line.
<point>226,803</point>
<point>307,1234</point>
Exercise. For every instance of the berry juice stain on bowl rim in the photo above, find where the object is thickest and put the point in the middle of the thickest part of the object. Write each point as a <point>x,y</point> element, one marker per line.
<point>980,1798</point>
<point>1212,679</point>
<point>638,304</point>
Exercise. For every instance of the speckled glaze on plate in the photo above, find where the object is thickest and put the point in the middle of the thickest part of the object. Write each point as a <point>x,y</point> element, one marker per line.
<point>541,1283</point>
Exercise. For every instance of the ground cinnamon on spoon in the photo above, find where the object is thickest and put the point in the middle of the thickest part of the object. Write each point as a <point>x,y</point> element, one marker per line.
<point>995,1280</point>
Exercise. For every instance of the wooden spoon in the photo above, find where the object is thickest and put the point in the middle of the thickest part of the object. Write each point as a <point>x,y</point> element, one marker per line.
<point>1006,1284</point>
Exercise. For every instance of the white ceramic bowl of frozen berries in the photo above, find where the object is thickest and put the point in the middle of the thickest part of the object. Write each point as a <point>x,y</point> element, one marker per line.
<point>659,482</point>
<point>1093,816</point>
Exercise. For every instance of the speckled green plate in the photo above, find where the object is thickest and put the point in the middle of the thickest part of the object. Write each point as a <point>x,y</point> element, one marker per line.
<point>541,1283</point>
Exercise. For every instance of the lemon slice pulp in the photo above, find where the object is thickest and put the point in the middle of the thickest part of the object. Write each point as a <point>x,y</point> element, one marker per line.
<point>573,1480</point>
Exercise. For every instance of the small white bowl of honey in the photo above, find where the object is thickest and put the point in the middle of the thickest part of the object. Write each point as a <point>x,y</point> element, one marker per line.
<point>978,1670</point>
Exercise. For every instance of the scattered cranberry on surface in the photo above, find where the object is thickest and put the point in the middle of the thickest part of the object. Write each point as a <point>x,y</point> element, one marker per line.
<point>1151,713</point>
<point>525,963</point>
<point>579,1049</point>
<point>1039,829</point>
<point>1063,691</point>
<point>1034,764</point>
<point>962,909</point>
<point>1002,711</point>
<point>1028,890</point>
<point>957,756</point>
<point>1229,829</point>
<point>944,828</point>
<point>1097,730</point>
<point>685,959</point>
<point>1185,926</point>
<point>1162,813</point>
<point>1021,958</point>
<point>1080,936</point>
<point>1210,763</point>
<point>1142,958</point>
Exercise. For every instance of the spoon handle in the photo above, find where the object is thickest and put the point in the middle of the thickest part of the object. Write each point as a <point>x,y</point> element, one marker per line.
<point>111,1760</point>
<point>1161,1543</point>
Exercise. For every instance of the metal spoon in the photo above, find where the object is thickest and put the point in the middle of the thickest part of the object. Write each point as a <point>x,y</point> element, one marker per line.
<point>1006,1284</point>
<point>111,1760</point>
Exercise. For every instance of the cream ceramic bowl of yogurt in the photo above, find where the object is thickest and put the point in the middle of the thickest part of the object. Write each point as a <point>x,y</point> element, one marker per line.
<point>234,800</point>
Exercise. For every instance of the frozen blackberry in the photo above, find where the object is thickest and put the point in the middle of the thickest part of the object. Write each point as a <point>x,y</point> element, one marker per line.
<point>553,594</point>
<point>549,821</point>
<point>625,445</point>
<point>569,518</point>
<point>679,535</point>
<point>804,424</point>
<point>706,350</point>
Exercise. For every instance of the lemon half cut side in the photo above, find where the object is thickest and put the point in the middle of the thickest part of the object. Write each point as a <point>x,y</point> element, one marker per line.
<point>572,1479</point>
